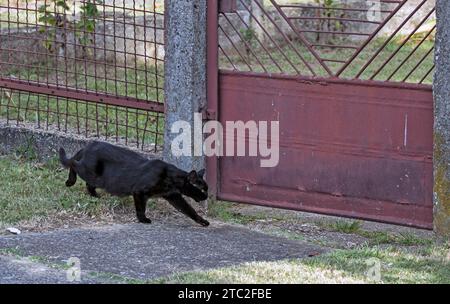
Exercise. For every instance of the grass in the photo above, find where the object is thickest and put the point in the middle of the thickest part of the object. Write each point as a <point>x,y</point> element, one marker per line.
<point>405,239</point>
<point>229,213</point>
<point>345,226</point>
<point>374,237</point>
<point>340,266</point>
<point>288,60</point>
<point>224,212</point>
<point>31,190</point>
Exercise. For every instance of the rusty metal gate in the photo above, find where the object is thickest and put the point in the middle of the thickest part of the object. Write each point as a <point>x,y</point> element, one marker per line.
<point>94,68</point>
<point>349,82</point>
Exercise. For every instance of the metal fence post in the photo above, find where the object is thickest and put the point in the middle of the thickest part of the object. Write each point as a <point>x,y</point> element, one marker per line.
<point>185,72</point>
<point>442,121</point>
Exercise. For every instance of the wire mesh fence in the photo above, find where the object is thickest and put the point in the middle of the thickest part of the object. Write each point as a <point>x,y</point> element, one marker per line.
<point>92,67</point>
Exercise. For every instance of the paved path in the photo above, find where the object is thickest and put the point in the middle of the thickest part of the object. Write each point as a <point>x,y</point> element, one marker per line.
<point>142,252</point>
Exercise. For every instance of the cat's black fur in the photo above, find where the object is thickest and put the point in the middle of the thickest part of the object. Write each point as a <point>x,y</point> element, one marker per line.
<point>122,172</point>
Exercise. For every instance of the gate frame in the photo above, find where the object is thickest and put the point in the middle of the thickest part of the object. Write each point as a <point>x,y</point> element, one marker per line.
<point>212,91</point>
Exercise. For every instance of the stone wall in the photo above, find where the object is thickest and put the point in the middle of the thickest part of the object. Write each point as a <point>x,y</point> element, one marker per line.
<point>44,145</point>
<point>128,40</point>
<point>19,48</point>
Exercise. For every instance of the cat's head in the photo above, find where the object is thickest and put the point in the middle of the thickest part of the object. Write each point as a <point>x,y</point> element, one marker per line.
<point>195,186</point>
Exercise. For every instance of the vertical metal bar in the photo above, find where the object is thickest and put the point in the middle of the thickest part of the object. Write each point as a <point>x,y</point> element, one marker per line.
<point>18,109</point>
<point>58,114</point>
<point>145,71</point>
<point>39,111</point>
<point>66,122</point>
<point>47,112</point>
<point>75,66</point>
<point>124,12</point>
<point>212,86</point>
<point>115,71</point>
<point>105,71</point>
<point>136,135</point>
<point>94,38</point>
<point>155,36</point>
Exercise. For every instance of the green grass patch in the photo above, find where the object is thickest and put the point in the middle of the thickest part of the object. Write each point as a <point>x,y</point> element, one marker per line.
<point>374,237</point>
<point>116,278</point>
<point>224,211</point>
<point>340,266</point>
<point>344,226</point>
<point>403,238</point>
<point>36,190</point>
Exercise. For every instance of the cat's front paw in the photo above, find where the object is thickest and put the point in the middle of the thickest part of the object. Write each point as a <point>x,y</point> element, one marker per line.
<point>145,220</point>
<point>203,222</point>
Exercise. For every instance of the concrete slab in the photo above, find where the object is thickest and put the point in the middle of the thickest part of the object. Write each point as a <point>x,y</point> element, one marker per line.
<point>144,252</point>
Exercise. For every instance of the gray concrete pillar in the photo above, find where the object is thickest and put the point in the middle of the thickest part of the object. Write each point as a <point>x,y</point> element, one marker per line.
<point>185,72</point>
<point>441,89</point>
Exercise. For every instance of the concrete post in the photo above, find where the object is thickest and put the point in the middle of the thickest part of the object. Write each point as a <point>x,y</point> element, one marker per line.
<point>442,121</point>
<point>185,72</point>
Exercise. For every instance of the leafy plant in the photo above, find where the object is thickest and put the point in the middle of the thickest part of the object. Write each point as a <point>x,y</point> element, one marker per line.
<point>86,26</point>
<point>330,18</point>
<point>53,16</point>
<point>248,35</point>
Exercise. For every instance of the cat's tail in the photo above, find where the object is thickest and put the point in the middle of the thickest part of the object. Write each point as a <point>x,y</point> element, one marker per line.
<point>67,163</point>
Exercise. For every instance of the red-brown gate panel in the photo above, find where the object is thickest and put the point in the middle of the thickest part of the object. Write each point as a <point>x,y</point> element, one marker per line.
<point>349,83</point>
<point>346,148</point>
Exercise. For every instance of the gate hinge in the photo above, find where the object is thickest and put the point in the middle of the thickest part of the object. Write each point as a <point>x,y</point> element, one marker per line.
<point>227,6</point>
<point>209,114</point>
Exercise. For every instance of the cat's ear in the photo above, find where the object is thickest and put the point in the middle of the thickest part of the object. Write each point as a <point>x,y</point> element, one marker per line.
<point>192,176</point>
<point>201,173</point>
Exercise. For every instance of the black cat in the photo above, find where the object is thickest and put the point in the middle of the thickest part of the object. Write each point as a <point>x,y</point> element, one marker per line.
<point>122,172</point>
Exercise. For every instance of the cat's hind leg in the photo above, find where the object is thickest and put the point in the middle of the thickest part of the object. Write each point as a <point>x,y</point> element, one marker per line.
<point>72,178</point>
<point>72,173</point>
<point>177,201</point>
<point>140,203</point>
<point>91,190</point>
